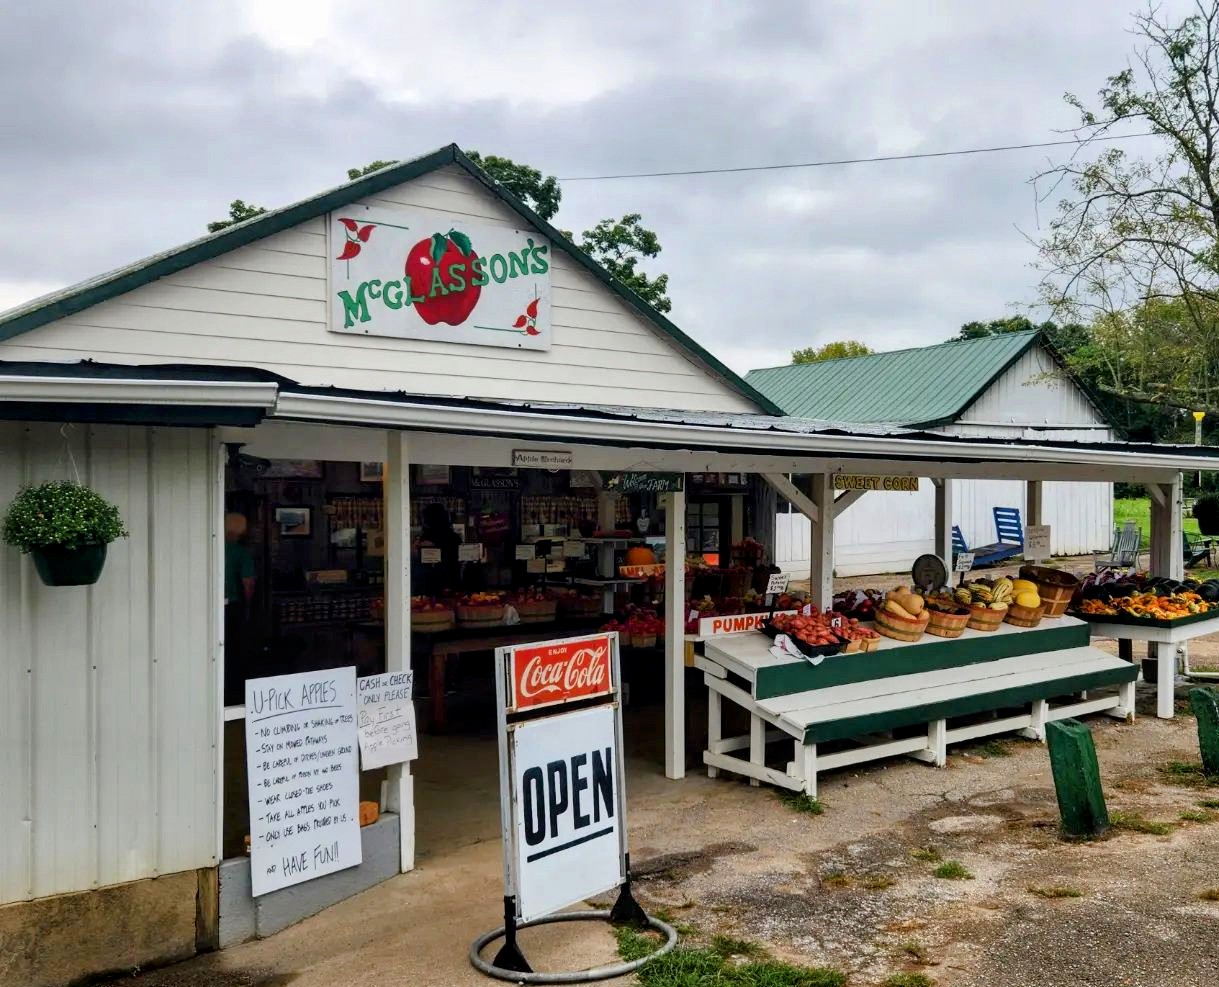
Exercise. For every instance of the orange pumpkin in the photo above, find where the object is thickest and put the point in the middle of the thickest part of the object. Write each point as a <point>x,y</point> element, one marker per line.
<point>640,555</point>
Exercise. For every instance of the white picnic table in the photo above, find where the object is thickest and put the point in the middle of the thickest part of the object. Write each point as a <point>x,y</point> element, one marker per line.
<point>872,700</point>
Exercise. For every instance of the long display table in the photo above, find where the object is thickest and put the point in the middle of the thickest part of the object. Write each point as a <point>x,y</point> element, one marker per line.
<point>1162,649</point>
<point>901,698</point>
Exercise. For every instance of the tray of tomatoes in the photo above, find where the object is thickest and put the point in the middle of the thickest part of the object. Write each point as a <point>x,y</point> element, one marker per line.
<point>811,633</point>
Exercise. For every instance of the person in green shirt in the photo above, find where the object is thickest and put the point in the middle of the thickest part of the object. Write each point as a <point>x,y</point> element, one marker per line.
<point>238,593</point>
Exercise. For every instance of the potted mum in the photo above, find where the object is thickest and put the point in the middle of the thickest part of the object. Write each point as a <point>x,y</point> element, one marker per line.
<point>64,528</point>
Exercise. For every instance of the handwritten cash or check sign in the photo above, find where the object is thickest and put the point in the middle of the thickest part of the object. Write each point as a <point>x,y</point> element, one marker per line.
<point>303,777</point>
<point>386,719</point>
<point>1037,542</point>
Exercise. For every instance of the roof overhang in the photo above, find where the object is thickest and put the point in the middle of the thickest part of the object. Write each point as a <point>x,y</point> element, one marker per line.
<point>525,423</point>
<point>135,401</point>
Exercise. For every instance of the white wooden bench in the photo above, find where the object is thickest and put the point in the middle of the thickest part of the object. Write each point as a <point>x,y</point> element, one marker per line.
<point>910,714</point>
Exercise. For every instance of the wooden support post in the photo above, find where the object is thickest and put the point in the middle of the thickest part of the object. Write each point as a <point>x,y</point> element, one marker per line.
<point>1039,712</point>
<point>1205,704</point>
<point>937,742</point>
<point>397,489</point>
<point>1124,710</point>
<point>1034,503</point>
<point>1167,559</point>
<point>757,745</point>
<point>821,556</point>
<point>714,727</point>
<point>1081,801</point>
<point>943,520</point>
<point>806,762</point>
<point>675,642</point>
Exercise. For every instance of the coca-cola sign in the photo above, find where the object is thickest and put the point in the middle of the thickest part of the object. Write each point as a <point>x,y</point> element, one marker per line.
<point>558,672</point>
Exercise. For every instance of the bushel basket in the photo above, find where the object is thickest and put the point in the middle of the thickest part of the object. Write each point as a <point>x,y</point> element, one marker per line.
<point>947,624</point>
<point>899,628</point>
<point>1055,587</point>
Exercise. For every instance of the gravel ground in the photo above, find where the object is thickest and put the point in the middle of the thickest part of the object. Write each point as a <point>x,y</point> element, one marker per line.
<point>844,888</point>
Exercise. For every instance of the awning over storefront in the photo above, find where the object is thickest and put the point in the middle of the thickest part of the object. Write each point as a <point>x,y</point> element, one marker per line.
<point>243,397</point>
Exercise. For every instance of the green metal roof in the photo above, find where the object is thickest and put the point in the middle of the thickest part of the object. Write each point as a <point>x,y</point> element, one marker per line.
<point>80,296</point>
<point>931,385</point>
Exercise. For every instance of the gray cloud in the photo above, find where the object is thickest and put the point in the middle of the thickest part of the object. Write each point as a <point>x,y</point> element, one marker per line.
<point>130,125</point>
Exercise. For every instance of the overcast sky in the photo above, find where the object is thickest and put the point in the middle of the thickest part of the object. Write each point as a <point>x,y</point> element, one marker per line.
<point>129,124</point>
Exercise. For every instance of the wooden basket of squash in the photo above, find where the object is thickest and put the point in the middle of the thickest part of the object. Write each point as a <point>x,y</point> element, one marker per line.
<point>903,616</point>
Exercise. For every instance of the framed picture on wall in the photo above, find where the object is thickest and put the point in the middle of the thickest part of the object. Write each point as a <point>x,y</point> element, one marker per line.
<point>294,522</point>
<point>372,472</point>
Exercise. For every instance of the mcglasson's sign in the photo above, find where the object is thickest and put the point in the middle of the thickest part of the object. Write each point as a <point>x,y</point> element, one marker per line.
<point>424,275</point>
<point>561,781</point>
<point>560,671</point>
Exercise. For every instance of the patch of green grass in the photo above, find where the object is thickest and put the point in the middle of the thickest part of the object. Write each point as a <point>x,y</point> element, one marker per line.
<point>713,966</point>
<point>1209,803</point>
<point>1138,510</point>
<point>877,882</point>
<point>1055,891</point>
<point>1187,773</point>
<point>801,802</point>
<point>953,870</point>
<point>837,879</point>
<point>994,748</point>
<point>908,980</point>
<point>683,928</point>
<point>1210,894</point>
<point>927,854</point>
<point>912,949</point>
<point>1198,816</point>
<point>727,947</point>
<point>1132,822</point>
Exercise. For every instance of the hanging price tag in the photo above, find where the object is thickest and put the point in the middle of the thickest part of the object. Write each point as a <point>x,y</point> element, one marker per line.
<point>524,553</point>
<point>573,549</point>
<point>470,553</point>
<point>429,556</point>
<point>777,582</point>
<point>535,565</point>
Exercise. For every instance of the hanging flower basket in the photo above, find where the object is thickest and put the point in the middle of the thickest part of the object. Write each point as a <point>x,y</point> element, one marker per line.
<point>64,528</point>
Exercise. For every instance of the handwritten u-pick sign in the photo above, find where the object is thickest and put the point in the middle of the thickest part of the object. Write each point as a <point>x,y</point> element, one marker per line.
<point>304,787</point>
<point>386,719</point>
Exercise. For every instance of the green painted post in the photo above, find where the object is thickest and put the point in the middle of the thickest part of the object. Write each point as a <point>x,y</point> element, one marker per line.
<point>1205,703</point>
<point>1081,803</point>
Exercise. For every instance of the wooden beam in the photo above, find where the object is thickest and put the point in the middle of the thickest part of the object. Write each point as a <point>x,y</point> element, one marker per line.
<point>821,556</point>
<point>1034,502</point>
<point>845,500</point>
<point>675,641</point>
<point>943,521</point>
<point>793,493</point>
<point>397,489</point>
<point>1157,494</point>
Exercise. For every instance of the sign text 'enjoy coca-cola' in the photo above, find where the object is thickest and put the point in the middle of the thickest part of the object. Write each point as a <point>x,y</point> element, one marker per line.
<point>560,672</point>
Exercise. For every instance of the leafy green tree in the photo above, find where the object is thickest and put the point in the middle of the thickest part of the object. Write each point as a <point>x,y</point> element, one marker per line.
<point>838,350</point>
<point>1065,338</point>
<point>618,245</point>
<point>239,212</point>
<point>539,192</point>
<point>368,169</point>
<point>1134,233</point>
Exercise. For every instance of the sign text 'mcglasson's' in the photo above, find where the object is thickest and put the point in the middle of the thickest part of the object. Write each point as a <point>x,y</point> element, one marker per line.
<point>394,294</point>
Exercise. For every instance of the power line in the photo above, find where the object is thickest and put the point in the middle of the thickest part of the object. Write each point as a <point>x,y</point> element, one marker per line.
<point>852,161</point>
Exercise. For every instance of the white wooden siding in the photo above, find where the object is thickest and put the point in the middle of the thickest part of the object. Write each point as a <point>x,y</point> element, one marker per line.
<point>108,694</point>
<point>1032,391</point>
<point>265,305</point>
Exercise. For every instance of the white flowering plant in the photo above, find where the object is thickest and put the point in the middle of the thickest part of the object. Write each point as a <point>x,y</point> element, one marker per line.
<point>61,515</point>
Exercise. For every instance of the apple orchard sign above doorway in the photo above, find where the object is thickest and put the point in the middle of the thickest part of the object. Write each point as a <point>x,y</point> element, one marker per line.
<point>422,275</point>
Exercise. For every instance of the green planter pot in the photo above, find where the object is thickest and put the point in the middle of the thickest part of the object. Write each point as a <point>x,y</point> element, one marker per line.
<point>69,566</point>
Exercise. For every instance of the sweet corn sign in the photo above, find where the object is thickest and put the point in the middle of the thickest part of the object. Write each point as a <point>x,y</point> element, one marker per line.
<point>422,275</point>
<point>847,481</point>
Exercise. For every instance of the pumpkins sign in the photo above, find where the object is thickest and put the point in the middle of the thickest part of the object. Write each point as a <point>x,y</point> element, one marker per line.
<point>423,275</point>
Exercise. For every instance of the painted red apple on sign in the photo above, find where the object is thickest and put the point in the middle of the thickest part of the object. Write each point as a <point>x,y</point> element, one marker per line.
<point>440,268</point>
